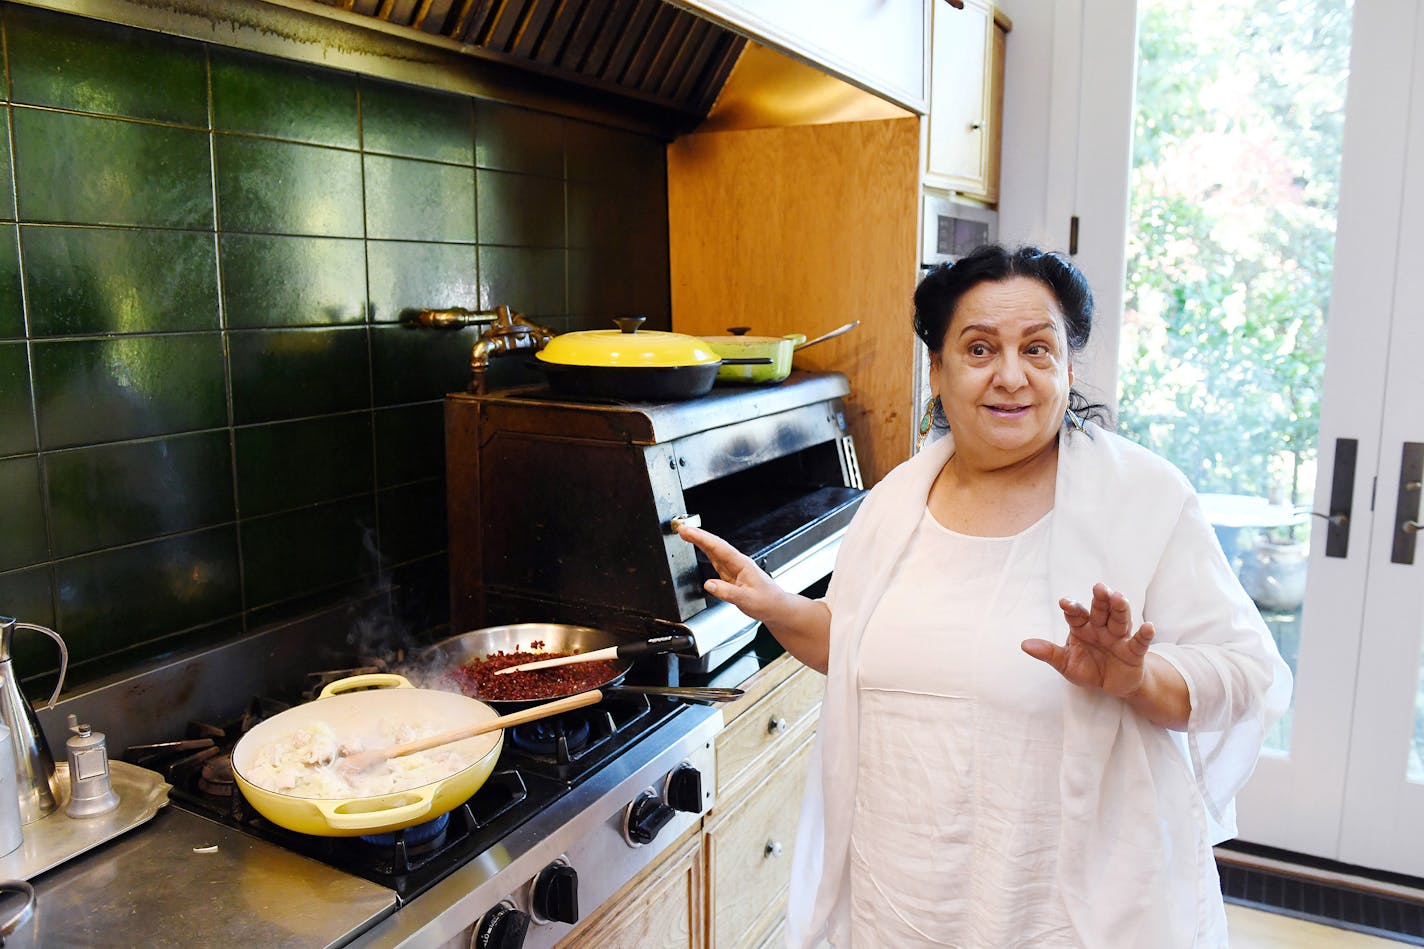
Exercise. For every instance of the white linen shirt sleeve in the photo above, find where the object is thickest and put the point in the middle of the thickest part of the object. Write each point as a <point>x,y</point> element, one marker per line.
<point>1211,632</point>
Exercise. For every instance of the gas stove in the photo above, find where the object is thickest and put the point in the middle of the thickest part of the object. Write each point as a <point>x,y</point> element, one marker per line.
<point>575,807</point>
<point>541,762</point>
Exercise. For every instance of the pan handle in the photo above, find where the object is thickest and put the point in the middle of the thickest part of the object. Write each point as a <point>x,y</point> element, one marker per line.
<point>378,820</point>
<point>371,680</point>
<point>825,336</point>
<point>697,696</point>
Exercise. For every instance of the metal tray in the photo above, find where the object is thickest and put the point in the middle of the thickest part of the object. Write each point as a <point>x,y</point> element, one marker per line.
<point>57,837</point>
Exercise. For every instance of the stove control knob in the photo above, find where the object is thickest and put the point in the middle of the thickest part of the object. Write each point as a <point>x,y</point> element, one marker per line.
<point>646,816</point>
<point>683,790</point>
<point>501,928</point>
<point>555,894</point>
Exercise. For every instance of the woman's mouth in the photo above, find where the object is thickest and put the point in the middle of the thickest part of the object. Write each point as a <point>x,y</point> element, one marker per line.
<point>1008,411</point>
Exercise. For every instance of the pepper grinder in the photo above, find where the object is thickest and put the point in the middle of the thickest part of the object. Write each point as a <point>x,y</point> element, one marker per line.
<point>90,791</point>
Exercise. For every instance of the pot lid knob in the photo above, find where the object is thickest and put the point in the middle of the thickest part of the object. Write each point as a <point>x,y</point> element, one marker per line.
<point>739,330</point>
<point>629,322</point>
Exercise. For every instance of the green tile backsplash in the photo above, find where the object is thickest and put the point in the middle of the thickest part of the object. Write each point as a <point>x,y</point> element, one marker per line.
<point>79,169</point>
<point>83,281</point>
<point>210,417</point>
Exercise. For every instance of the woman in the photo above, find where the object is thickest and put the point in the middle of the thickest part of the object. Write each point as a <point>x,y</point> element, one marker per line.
<point>977,784</point>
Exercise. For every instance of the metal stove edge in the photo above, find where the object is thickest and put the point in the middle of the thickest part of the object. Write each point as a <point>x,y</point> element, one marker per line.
<point>584,822</point>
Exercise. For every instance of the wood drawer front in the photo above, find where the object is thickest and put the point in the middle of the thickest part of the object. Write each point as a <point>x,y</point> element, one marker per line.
<point>747,882</point>
<point>664,911</point>
<point>753,733</point>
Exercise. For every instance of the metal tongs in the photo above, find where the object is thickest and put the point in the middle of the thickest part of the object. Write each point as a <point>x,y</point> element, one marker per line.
<point>650,647</point>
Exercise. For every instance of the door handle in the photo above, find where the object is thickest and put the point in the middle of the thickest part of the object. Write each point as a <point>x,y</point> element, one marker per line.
<point>1342,494</point>
<point>1406,504</point>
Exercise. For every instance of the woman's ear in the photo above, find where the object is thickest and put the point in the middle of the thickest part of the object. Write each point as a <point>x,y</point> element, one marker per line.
<point>936,362</point>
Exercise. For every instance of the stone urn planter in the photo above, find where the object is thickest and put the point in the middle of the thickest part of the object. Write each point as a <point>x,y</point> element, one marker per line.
<point>1273,573</point>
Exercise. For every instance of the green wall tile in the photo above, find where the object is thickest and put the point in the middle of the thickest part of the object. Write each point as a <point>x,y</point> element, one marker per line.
<point>20,499</point>
<point>283,188</point>
<point>101,390</point>
<point>513,139</point>
<point>125,597</point>
<point>27,595</point>
<point>399,120</point>
<point>292,281</point>
<point>601,285</point>
<point>419,200</point>
<point>521,209</point>
<point>529,279</point>
<point>412,521</point>
<point>599,153</point>
<point>412,365</point>
<point>12,319</point>
<point>108,495</point>
<point>265,96</point>
<point>81,170</point>
<point>7,181</point>
<point>17,425</point>
<point>333,544</point>
<point>283,374</point>
<point>410,443</point>
<point>411,276</point>
<point>83,281</point>
<point>295,464</point>
<point>75,63</point>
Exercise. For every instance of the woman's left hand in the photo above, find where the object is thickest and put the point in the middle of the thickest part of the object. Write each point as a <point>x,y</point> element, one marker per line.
<point>1102,651</point>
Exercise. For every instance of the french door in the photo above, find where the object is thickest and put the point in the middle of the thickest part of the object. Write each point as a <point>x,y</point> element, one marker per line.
<point>1348,782</point>
<point>1344,779</point>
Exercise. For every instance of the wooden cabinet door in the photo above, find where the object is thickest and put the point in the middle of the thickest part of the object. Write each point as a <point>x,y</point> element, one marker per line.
<point>749,855</point>
<point>661,910</point>
<point>963,121</point>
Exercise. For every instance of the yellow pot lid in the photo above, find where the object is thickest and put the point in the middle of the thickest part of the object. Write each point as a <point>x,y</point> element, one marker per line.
<point>627,347</point>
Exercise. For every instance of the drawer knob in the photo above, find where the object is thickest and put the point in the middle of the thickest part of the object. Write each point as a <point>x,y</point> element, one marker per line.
<point>773,849</point>
<point>777,726</point>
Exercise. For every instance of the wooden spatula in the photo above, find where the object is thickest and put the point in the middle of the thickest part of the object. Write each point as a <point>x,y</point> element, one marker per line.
<point>362,760</point>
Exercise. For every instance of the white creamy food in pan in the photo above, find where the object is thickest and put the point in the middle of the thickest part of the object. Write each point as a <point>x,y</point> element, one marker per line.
<point>307,763</point>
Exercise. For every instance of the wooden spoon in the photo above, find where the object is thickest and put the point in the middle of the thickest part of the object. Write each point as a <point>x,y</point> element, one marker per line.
<point>362,760</point>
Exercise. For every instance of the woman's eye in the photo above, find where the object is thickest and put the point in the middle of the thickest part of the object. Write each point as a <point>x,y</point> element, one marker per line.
<point>978,349</point>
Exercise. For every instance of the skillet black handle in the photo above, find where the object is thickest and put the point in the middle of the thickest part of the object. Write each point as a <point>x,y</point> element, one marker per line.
<point>748,361</point>
<point>656,646</point>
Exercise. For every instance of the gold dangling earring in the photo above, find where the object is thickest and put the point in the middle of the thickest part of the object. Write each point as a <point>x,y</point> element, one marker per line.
<point>926,423</point>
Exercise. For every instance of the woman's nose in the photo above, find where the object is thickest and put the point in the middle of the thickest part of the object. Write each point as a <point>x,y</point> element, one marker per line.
<point>1009,373</point>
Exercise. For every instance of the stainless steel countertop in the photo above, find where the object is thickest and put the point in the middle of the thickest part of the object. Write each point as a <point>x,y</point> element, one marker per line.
<point>152,888</point>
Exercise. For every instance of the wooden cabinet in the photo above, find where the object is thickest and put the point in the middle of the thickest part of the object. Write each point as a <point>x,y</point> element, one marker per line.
<point>798,230</point>
<point>659,909</point>
<point>878,45</point>
<point>723,885</point>
<point>966,99</point>
<point>762,757</point>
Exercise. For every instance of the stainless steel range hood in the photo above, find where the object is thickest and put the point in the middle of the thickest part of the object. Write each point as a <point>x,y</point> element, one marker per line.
<point>644,49</point>
<point>640,64</point>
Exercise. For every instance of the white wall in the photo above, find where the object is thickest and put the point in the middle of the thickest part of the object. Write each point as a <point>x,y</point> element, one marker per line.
<point>1067,151</point>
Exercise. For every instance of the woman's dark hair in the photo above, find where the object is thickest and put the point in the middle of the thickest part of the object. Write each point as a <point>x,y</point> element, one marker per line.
<point>939,293</point>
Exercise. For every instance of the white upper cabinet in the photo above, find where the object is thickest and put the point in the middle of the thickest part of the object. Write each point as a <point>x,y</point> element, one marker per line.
<point>878,45</point>
<point>966,99</point>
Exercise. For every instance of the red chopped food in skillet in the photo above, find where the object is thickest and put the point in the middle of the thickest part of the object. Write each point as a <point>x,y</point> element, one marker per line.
<point>477,678</point>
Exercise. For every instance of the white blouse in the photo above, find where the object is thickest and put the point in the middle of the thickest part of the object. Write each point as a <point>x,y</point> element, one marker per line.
<point>954,835</point>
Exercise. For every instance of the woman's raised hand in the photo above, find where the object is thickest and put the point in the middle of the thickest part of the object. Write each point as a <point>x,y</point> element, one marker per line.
<point>1102,651</point>
<point>744,585</point>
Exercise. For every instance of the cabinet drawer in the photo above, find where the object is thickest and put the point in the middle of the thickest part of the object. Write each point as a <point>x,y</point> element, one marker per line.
<point>749,855</point>
<point>770,723</point>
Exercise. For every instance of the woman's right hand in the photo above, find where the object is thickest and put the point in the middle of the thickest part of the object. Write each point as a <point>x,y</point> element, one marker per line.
<point>801,625</point>
<point>744,585</point>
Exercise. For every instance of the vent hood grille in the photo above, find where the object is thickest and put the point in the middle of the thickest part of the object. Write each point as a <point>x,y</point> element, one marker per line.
<point>646,49</point>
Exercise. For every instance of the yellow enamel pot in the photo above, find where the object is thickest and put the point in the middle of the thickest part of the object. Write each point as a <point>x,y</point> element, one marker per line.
<point>390,698</point>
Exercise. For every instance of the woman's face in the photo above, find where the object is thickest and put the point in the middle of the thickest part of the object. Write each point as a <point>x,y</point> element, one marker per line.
<point>1004,371</point>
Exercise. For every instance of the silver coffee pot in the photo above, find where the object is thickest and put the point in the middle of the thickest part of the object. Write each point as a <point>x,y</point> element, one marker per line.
<point>35,780</point>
